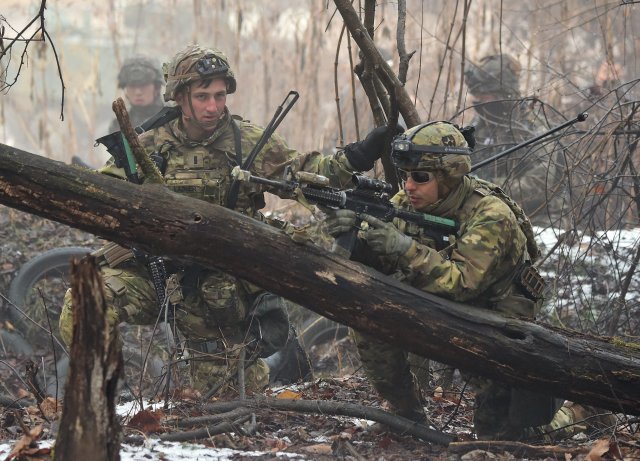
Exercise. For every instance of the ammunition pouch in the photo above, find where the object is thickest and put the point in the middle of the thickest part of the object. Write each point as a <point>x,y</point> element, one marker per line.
<point>530,282</point>
<point>113,255</point>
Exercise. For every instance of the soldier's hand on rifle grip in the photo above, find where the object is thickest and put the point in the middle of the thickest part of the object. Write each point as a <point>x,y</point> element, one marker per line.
<point>344,225</point>
<point>384,238</point>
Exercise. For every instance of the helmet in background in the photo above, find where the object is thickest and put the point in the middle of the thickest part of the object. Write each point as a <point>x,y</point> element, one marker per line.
<point>495,74</point>
<point>140,70</point>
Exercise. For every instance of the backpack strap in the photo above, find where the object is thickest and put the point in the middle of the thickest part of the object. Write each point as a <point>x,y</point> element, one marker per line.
<point>234,190</point>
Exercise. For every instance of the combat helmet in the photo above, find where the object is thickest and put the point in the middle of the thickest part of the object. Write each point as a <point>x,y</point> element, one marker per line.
<point>435,146</point>
<point>196,63</point>
<point>140,70</point>
<point>495,74</point>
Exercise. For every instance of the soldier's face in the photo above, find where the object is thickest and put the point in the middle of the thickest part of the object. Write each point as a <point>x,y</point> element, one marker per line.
<point>204,103</point>
<point>140,95</point>
<point>424,193</point>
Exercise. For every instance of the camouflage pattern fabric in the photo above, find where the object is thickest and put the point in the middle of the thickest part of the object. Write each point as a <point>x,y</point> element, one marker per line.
<point>211,316</point>
<point>140,70</point>
<point>478,267</point>
<point>183,69</point>
<point>573,418</point>
<point>389,371</point>
<point>479,262</point>
<point>215,305</point>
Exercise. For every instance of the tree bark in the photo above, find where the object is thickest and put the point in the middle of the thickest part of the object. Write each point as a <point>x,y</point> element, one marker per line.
<point>567,364</point>
<point>386,74</point>
<point>89,427</point>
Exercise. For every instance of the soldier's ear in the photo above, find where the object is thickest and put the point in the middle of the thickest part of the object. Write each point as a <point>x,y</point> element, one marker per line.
<point>179,97</point>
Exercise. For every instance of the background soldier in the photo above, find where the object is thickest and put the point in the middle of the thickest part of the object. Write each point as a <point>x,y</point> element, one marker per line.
<point>141,80</point>
<point>220,315</point>
<point>503,119</point>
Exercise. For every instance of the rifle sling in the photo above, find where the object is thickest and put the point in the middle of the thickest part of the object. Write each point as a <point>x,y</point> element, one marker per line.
<point>232,198</point>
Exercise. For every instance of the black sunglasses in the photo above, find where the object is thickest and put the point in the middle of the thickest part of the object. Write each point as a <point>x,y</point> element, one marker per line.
<point>419,177</point>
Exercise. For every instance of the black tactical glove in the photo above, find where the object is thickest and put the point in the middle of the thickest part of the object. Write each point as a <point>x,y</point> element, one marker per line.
<point>268,325</point>
<point>363,154</point>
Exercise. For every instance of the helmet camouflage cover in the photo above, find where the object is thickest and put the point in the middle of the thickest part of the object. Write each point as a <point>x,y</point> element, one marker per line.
<point>139,70</point>
<point>495,74</point>
<point>196,63</point>
<point>433,146</point>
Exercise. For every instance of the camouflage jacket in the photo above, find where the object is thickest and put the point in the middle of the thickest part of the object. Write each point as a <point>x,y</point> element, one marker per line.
<point>202,169</point>
<point>479,262</point>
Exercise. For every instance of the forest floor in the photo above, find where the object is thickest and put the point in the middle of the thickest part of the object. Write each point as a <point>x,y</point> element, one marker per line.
<point>276,433</point>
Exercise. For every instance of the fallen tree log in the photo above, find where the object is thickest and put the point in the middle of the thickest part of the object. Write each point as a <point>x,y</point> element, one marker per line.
<point>568,364</point>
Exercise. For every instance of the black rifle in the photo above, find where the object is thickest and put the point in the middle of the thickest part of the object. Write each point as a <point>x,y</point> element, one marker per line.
<point>120,150</point>
<point>579,118</point>
<point>368,196</point>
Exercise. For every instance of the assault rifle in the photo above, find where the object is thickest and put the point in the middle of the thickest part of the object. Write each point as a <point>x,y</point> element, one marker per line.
<point>368,196</point>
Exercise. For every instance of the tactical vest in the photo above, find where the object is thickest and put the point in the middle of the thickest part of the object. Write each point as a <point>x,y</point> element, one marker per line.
<point>202,170</point>
<point>507,296</point>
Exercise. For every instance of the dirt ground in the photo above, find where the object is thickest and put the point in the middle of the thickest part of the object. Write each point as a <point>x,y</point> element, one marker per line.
<point>338,378</point>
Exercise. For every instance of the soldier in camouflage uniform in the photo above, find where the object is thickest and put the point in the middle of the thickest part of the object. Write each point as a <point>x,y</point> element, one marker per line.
<point>503,119</point>
<point>219,314</point>
<point>141,80</point>
<point>487,263</point>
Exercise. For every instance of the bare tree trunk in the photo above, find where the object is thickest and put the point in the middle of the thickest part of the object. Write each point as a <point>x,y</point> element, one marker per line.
<point>591,370</point>
<point>89,427</point>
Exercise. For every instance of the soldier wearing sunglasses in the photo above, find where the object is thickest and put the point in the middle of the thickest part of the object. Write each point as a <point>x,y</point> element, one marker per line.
<point>487,264</point>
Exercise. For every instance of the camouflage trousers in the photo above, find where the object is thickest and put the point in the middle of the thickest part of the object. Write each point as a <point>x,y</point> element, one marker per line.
<point>501,412</point>
<point>389,371</point>
<point>131,297</point>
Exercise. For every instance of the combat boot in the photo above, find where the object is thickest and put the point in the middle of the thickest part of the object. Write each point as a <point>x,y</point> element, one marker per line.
<point>410,404</point>
<point>573,418</point>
